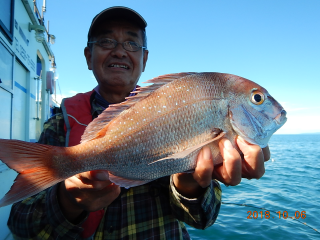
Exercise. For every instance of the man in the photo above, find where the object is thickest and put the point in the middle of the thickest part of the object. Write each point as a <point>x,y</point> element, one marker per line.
<point>88,205</point>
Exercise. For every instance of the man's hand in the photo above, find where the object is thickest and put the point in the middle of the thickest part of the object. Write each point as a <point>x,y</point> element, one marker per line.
<point>89,191</point>
<point>230,172</point>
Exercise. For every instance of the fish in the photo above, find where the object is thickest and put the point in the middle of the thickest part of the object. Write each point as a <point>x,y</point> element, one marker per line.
<point>157,132</point>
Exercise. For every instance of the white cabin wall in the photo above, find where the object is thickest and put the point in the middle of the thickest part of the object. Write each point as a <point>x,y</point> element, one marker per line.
<point>20,103</point>
<point>18,91</point>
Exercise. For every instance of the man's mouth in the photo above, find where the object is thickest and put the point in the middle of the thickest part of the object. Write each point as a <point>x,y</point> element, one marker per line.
<point>119,66</point>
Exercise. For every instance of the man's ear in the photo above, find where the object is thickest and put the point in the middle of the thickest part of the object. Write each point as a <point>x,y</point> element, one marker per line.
<point>88,55</point>
<point>145,59</point>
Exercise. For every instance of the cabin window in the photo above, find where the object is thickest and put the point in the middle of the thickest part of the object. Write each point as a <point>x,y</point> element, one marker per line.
<point>6,96</point>
<point>6,18</point>
<point>6,67</point>
<point>6,91</point>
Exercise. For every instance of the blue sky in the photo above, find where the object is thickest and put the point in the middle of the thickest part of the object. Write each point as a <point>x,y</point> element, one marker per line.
<point>274,43</point>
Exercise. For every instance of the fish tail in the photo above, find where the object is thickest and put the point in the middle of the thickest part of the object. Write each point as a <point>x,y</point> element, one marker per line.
<point>33,162</point>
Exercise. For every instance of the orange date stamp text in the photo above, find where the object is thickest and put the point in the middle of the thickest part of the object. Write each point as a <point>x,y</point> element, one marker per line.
<point>266,214</point>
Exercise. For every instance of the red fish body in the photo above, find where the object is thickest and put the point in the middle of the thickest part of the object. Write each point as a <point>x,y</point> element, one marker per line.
<point>156,133</point>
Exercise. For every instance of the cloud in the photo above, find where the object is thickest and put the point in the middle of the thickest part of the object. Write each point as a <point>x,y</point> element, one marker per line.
<point>301,124</point>
<point>57,98</point>
<point>73,92</point>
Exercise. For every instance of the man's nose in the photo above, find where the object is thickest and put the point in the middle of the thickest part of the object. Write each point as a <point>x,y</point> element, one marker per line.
<point>119,51</point>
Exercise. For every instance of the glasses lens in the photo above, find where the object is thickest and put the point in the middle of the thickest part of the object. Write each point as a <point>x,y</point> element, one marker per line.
<point>107,43</point>
<point>131,46</point>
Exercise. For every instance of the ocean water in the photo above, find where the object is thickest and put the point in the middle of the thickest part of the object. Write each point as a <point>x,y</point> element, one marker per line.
<point>291,185</point>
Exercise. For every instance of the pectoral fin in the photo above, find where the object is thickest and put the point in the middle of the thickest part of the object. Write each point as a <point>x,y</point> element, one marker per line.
<point>188,151</point>
<point>126,183</point>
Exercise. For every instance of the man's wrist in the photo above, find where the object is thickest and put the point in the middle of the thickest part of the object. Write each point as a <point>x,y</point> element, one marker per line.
<point>72,212</point>
<point>186,190</point>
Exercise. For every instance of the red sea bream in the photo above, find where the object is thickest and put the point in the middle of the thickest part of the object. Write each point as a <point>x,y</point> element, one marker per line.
<point>157,132</point>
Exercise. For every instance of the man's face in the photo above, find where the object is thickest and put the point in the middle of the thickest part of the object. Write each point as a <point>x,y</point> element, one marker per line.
<point>117,68</point>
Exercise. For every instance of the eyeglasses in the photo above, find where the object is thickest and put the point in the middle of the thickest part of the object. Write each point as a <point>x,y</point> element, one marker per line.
<point>109,43</point>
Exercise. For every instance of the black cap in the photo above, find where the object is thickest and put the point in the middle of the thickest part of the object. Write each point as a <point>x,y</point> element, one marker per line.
<point>117,12</point>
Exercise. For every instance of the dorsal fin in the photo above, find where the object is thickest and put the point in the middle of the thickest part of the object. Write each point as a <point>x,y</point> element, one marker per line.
<point>98,127</point>
<point>164,79</point>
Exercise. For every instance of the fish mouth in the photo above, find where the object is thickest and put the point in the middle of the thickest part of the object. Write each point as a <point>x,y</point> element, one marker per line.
<point>119,65</point>
<point>281,118</point>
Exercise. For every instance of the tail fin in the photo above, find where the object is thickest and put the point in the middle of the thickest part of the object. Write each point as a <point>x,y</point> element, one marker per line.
<point>33,162</point>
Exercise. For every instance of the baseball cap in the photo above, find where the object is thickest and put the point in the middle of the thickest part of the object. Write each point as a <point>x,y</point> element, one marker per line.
<point>117,12</point>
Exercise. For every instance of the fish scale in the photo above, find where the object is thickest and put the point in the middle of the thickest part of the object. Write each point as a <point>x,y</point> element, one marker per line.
<point>163,143</point>
<point>156,133</point>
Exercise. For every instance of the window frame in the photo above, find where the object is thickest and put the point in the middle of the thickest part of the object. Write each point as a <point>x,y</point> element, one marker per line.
<point>8,33</point>
<point>3,166</point>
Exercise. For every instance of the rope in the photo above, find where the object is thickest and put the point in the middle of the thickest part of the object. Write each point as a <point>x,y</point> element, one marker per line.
<point>77,120</point>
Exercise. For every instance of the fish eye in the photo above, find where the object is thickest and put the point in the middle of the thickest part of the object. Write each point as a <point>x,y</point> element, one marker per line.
<point>257,97</point>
